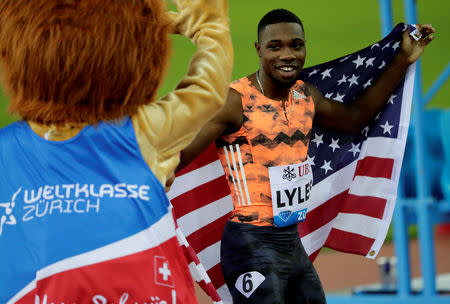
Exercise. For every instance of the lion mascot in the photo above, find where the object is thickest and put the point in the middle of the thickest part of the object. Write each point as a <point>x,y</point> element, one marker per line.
<point>83,208</point>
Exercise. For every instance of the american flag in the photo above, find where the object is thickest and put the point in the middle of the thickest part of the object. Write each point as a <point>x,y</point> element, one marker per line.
<point>355,177</point>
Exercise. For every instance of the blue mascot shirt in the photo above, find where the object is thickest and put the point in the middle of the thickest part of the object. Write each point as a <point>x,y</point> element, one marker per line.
<point>84,220</point>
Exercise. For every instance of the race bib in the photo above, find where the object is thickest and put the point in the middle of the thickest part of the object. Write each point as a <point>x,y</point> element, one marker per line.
<point>291,190</point>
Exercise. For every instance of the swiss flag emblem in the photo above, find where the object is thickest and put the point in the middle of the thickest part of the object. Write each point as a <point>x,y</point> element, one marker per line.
<point>163,273</point>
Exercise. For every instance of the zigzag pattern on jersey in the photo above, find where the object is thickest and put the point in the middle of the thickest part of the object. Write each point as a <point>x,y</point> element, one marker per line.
<point>261,139</point>
<point>240,141</point>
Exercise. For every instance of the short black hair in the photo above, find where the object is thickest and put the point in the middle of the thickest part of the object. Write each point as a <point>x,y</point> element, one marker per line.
<point>279,15</point>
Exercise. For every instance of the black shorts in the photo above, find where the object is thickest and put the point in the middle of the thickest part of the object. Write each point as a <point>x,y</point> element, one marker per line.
<point>265,265</point>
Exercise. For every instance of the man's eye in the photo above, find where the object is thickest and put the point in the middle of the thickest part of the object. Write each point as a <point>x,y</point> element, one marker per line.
<point>274,47</point>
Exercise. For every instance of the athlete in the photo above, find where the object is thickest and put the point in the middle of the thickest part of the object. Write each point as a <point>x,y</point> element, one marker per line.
<point>84,171</point>
<point>262,135</point>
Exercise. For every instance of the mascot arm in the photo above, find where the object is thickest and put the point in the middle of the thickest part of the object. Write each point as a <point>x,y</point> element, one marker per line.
<point>166,126</point>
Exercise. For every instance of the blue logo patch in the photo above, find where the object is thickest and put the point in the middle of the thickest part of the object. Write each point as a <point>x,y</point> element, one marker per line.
<point>284,215</point>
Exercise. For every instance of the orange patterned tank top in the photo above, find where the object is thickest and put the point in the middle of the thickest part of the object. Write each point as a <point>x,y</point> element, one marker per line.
<point>269,136</point>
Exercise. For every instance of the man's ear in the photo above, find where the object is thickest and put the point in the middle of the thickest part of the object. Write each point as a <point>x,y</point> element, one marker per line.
<point>258,49</point>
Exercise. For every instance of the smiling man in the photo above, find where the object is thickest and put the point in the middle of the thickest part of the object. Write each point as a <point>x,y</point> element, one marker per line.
<point>262,135</point>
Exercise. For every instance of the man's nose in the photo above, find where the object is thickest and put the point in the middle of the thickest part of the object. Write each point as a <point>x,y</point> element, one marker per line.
<point>287,54</point>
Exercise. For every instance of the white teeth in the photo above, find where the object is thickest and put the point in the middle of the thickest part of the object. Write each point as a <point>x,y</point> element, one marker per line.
<point>287,69</point>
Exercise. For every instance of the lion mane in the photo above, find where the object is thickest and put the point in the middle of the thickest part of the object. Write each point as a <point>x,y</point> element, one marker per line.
<point>82,61</point>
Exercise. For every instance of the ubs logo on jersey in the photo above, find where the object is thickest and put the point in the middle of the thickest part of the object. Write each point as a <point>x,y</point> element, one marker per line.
<point>304,170</point>
<point>6,211</point>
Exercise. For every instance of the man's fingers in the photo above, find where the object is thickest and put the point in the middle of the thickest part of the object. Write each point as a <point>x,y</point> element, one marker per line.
<point>427,29</point>
<point>423,34</point>
<point>428,39</point>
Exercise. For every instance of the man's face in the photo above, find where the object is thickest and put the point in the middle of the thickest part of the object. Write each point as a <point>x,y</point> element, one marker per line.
<point>282,51</point>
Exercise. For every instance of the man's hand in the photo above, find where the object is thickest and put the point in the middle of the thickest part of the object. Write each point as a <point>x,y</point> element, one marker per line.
<point>412,49</point>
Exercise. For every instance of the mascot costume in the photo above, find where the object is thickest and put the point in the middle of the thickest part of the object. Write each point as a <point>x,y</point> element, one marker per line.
<point>83,208</point>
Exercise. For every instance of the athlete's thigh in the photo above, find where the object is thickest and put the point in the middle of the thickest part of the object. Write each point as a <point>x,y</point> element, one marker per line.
<point>304,286</point>
<point>312,287</point>
<point>305,289</point>
<point>251,269</point>
<point>257,287</point>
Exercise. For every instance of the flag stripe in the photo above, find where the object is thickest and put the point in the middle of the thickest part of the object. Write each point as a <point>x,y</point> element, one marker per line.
<point>206,157</point>
<point>210,256</point>
<point>208,235</point>
<point>216,273</point>
<point>322,192</point>
<point>316,239</point>
<point>193,179</point>
<point>225,294</point>
<point>375,167</point>
<point>366,205</point>
<point>369,186</point>
<point>201,217</point>
<point>348,242</point>
<point>209,192</point>
<point>343,202</point>
<point>381,147</point>
<point>322,214</point>
<point>357,223</point>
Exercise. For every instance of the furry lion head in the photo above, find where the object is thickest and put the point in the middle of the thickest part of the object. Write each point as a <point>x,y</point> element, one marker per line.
<point>82,61</point>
